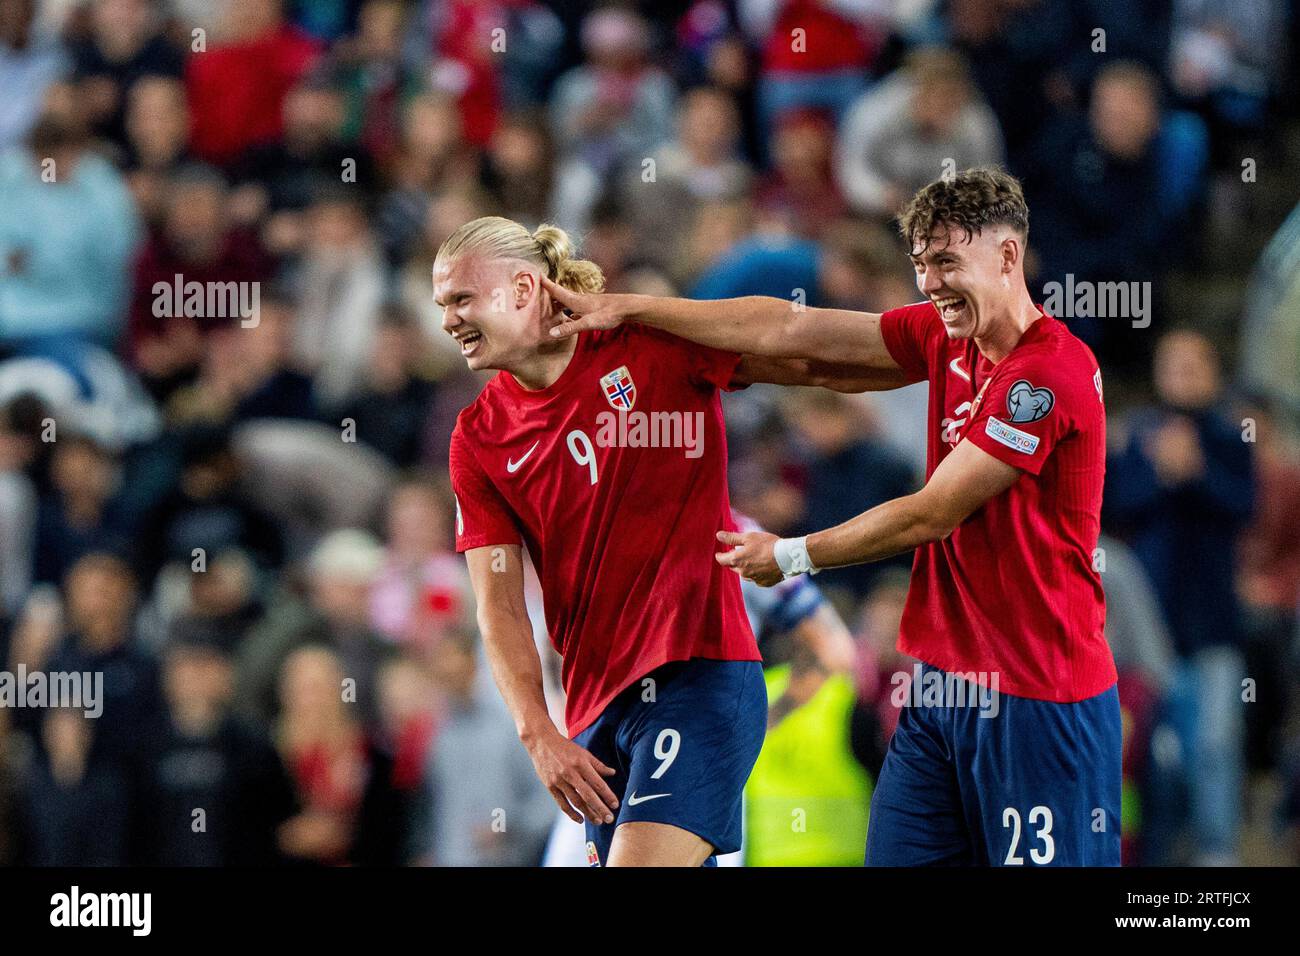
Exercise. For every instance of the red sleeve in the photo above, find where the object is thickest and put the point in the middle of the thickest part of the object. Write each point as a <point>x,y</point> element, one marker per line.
<point>714,367</point>
<point>482,516</point>
<point>1030,405</point>
<point>704,366</point>
<point>908,333</point>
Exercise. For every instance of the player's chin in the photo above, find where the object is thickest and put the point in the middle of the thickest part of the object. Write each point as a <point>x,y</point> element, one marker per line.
<point>962,327</point>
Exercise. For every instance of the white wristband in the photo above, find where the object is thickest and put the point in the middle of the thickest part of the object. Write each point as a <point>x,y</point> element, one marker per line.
<point>792,557</point>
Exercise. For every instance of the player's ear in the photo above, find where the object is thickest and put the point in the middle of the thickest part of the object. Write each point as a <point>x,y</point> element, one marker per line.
<point>526,286</point>
<point>1013,251</point>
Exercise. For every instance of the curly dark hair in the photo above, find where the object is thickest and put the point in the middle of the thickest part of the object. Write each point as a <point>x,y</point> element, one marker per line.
<point>969,201</point>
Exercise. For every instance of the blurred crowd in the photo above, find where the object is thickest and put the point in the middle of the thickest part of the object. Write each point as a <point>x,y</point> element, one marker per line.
<point>234,506</point>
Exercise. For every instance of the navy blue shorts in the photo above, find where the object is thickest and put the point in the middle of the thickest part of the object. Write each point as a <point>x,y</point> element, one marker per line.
<point>1023,783</point>
<point>683,740</point>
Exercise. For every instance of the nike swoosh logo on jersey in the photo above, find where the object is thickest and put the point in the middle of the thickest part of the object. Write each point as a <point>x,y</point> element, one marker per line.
<point>513,466</point>
<point>633,800</point>
<point>954,366</point>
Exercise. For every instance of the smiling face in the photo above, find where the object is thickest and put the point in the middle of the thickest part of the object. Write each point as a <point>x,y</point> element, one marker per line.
<point>968,280</point>
<point>493,308</point>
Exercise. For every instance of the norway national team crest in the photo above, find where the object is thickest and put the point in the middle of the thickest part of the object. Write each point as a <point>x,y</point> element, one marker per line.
<point>619,389</point>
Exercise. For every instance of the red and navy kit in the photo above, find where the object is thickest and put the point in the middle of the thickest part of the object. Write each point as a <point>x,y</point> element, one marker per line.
<point>615,478</point>
<point>1013,588</point>
<point>1009,602</point>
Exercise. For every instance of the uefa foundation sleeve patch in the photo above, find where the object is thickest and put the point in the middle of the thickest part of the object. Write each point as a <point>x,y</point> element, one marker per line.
<point>1013,438</point>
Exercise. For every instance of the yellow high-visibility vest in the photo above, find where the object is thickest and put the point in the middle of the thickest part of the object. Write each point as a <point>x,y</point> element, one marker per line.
<point>807,800</point>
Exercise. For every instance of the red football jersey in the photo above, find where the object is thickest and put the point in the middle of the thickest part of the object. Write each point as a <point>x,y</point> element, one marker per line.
<point>615,478</point>
<point>1013,590</point>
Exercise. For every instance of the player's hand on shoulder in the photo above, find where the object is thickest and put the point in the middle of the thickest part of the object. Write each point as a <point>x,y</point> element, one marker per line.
<point>586,311</point>
<point>574,777</point>
<point>752,556</point>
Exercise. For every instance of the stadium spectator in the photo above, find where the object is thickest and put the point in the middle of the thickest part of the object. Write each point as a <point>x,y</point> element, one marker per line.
<point>157,126</point>
<point>1181,490</point>
<point>194,275</point>
<point>343,281</point>
<point>336,616</point>
<point>30,60</point>
<point>423,591</point>
<point>216,791</point>
<point>81,510</point>
<point>800,192</point>
<point>284,176</point>
<point>814,53</point>
<point>66,239</point>
<point>101,638</point>
<point>237,87</point>
<point>351,813</point>
<point>1085,178</point>
<point>77,799</point>
<point>125,45</point>
<point>483,803</point>
<point>923,121</point>
<point>617,108</point>
<point>1269,584</point>
<point>849,470</point>
<point>391,406</point>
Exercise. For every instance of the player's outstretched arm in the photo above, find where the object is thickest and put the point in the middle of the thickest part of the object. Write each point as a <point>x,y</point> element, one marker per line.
<point>964,481</point>
<point>752,325</point>
<point>574,777</point>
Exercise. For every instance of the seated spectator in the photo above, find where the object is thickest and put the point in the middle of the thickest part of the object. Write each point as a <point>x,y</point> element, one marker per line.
<point>78,805</point>
<point>80,512</point>
<point>247,373</point>
<point>157,142</point>
<point>222,603</point>
<point>1179,490</point>
<point>373,78</point>
<point>30,60</point>
<point>199,243</point>
<point>216,791</point>
<point>1227,61</point>
<point>351,814</point>
<point>238,85</point>
<point>423,590</point>
<point>391,407</point>
<point>343,279</point>
<point>60,196</point>
<point>702,164</point>
<point>432,161</point>
<point>616,108</point>
<point>517,169</point>
<point>125,45</point>
<point>483,802</point>
<point>849,470</point>
<point>100,638</point>
<point>282,178</point>
<point>923,121</point>
<point>814,54</point>
<point>208,510</point>
<point>336,615</point>
<point>1086,177</point>
<point>800,192</point>
<point>1269,584</point>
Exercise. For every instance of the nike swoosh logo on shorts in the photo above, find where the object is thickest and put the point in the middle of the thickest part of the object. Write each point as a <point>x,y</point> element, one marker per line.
<point>633,800</point>
<point>513,466</point>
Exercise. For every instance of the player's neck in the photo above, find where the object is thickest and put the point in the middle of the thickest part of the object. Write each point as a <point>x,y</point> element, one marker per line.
<point>543,367</point>
<point>1005,328</point>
